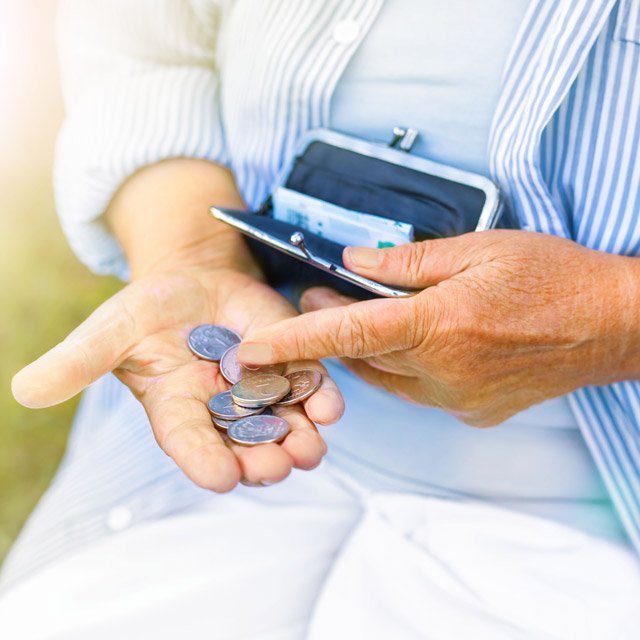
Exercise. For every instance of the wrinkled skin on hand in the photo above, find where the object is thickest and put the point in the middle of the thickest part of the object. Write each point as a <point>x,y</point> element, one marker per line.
<point>505,320</point>
<point>140,334</point>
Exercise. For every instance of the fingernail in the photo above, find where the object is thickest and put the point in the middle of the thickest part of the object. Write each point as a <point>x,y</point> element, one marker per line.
<point>255,353</point>
<point>364,257</point>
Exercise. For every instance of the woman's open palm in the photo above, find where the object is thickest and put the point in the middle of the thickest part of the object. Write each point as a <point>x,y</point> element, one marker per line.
<point>140,334</point>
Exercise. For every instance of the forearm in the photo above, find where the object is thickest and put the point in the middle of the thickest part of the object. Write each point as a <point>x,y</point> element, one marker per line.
<point>160,218</point>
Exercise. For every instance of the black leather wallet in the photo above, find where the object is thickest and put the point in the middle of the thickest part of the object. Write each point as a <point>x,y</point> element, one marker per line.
<point>437,200</point>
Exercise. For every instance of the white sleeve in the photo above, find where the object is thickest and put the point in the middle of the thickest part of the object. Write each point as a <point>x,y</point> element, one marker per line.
<point>140,85</point>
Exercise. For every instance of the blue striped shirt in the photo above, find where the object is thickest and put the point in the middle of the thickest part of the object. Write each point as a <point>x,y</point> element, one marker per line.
<point>168,82</point>
<point>566,148</point>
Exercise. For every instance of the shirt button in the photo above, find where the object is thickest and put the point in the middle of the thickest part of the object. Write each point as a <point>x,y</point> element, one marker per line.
<point>346,31</point>
<point>119,518</point>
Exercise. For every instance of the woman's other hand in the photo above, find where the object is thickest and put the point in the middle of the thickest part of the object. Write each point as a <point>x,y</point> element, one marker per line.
<point>187,270</point>
<point>506,320</point>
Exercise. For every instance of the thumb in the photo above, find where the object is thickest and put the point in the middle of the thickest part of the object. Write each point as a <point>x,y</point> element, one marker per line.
<point>418,264</point>
<point>356,330</point>
<point>94,348</point>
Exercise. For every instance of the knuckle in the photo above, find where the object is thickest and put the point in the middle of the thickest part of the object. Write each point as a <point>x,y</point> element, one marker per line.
<point>300,345</point>
<point>434,325</point>
<point>415,263</point>
<point>350,336</point>
<point>170,437</point>
<point>417,322</point>
<point>84,363</point>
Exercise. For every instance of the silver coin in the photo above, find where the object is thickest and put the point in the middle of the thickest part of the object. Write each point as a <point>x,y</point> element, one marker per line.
<point>304,383</point>
<point>225,424</point>
<point>210,341</point>
<point>222,406</point>
<point>221,423</point>
<point>260,390</point>
<point>233,371</point>
<point>258,430</point>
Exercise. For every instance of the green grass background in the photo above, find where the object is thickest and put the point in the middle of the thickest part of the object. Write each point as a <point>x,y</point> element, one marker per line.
<point>44,291</point>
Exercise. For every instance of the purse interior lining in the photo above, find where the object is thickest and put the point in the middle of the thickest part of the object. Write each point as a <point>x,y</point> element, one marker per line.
<point>435,206</point>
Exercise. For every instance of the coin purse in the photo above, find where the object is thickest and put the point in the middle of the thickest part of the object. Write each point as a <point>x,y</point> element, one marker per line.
<point>338,184</point>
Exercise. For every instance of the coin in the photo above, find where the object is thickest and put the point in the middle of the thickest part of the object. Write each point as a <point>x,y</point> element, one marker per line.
<point>260,390</point>
<point>221,422</point>
<point>304,383</point>
<point>258,430</point>
<point>225,424</point>
<point>222,406</point>
<point>210,341</point>
<point>233,371</point>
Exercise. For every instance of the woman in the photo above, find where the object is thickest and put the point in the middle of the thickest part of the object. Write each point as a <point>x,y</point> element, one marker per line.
<point>415,525</point>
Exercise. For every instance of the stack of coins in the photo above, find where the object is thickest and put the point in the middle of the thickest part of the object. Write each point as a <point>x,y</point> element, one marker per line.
<point>243,412</point>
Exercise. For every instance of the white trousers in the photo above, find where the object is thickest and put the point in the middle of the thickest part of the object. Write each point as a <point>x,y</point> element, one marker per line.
<point>318,557</point>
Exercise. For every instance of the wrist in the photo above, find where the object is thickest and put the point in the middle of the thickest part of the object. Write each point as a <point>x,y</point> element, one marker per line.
<point>630,304</point>
<point>223,250</point>
<point>620,301</point>
<point>160,217</point>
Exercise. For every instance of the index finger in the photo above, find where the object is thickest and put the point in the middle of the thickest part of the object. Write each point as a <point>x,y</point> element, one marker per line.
<point>358,330</point>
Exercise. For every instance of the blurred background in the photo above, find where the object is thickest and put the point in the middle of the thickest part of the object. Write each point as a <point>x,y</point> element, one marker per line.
<point>44,290</point>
